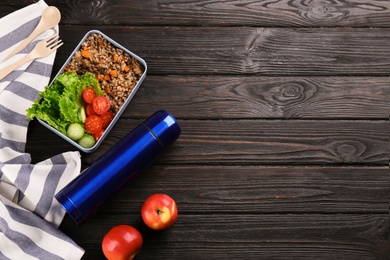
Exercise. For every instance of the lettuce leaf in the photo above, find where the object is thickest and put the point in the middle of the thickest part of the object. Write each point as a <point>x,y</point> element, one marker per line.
<point>70,100</point>
<point>60,103</point>
<point>89,80</point>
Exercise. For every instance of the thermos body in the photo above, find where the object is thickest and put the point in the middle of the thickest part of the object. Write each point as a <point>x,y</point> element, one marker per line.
<point>116,167</point>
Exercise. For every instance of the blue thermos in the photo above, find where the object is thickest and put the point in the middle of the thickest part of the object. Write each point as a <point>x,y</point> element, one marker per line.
<point>138,149</point>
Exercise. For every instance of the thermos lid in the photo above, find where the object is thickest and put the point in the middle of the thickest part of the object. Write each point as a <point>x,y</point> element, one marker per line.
<point>164,126</point>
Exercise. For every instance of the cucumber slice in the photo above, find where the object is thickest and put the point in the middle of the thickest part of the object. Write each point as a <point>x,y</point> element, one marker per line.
<point>75,131</point>
<point>82,115</point>
<point>87,141</point>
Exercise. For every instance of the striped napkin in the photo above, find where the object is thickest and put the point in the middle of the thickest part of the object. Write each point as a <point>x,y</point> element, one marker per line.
<point>29,214</point>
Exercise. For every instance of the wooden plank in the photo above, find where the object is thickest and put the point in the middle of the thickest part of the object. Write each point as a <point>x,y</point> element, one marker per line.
<point>247,236</point>
<point>260,51</point>
<point>232,13</point>
<point>278,13</point>
<point>259,190</point>
<point>226,97</point>
<point>283,142</point>
<point>252,142</point>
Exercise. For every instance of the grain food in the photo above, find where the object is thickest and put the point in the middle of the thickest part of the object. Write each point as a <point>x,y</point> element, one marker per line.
<point>117,71</point>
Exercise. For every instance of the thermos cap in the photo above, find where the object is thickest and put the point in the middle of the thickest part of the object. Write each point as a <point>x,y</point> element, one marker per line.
<point>164,126</point>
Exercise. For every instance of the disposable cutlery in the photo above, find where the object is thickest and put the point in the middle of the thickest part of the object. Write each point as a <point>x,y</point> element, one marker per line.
<point>42,49</point>
<point>51,16</point>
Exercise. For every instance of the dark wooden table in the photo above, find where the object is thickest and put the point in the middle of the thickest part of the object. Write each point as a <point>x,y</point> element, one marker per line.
<point>284,108</point>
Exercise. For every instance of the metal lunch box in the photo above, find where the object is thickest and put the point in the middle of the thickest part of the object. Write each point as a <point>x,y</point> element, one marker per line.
<point>121,110</point>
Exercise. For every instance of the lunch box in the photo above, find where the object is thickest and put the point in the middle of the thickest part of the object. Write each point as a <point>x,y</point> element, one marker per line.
<point>123,107</point>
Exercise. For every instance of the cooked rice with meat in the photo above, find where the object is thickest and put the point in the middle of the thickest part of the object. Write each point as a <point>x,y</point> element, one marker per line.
<point>116,70</point>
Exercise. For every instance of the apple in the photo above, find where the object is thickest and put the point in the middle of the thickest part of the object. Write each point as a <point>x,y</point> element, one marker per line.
<point>159,211</point>
<point>122,242</point>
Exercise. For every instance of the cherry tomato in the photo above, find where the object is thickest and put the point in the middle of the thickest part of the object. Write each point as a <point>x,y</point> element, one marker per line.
<point>107,118</point>
<point>122,242</point>
<point>89,95</point>
<point>101,104</point>
<point>98,135</point>
<point>89,110</point>
<point>93,124</point>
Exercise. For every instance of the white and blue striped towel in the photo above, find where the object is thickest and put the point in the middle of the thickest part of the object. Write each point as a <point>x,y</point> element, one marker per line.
<point>29,214</point>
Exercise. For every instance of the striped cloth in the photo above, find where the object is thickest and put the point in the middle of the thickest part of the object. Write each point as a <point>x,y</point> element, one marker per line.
<point>29,214</point>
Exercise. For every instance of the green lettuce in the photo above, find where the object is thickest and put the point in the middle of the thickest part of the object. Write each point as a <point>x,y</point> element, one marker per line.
<point>61,103</point>
<point>89,80</point>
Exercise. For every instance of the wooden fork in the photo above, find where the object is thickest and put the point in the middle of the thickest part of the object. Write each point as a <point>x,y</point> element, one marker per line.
<point>41,49</point>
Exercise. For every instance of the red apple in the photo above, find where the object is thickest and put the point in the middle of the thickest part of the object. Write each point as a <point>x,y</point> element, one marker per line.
<point>122,242</point>
<point>159,211</point>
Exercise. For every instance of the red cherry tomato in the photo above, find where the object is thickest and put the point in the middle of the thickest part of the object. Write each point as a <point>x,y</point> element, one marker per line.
<point>98,135</point>
<point>101,104</point>
<point>93,124</point>
<point>89,95</point>
<point>122,242</point>
<point>107,118</point>
<point>89,110</point>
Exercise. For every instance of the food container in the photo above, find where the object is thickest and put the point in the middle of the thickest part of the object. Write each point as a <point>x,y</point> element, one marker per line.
<point>123,107</point>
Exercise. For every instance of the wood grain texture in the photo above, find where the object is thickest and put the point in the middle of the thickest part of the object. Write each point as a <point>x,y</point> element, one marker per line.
<point>249,236</point>
<point>249,51</point>
<point>284,108</point>
<point>258,190</point>
<point>245,97</point>
<point>276,13</point>
<point>254,142</point>
<point>284,142</point>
